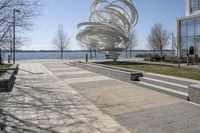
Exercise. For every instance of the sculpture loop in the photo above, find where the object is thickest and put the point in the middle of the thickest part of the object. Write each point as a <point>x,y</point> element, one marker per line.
<point>109,24</point>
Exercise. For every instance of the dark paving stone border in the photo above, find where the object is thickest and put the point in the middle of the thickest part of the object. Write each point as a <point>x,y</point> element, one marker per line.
<point>69,76</point>
<point>66,70</point>
<point>95,84</point>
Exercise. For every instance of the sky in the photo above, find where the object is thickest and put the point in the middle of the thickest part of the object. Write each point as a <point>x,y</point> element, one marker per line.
<point>71,12</point>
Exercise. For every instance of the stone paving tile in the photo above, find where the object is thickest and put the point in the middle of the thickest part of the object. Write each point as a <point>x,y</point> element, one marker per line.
<point>66,70</point>
<point>40,102</point>
<point>69,76</point>
<point>63,69</point>
<point>72,72</point>
<point>140,110</point>
<point>85,79</point>
<point>174,118</point>
<point>95,84</point>
<point>125,98</point>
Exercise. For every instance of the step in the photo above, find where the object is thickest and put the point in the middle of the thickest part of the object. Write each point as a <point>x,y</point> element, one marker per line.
<point>164,90</point>
<point>175,86</point>
<point>171,79</point>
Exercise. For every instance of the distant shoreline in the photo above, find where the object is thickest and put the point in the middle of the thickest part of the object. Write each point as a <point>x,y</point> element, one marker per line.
<point>73,54</point>
<point>80,50</point>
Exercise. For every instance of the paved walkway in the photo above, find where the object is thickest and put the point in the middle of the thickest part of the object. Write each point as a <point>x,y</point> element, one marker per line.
<point>40,102</point>
<point>138,109</point>
<point>50,96</point>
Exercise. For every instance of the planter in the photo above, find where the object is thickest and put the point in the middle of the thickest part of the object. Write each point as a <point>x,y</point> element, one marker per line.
<point>194,93</point>
<point>15,67</point>
<point>7,79</point>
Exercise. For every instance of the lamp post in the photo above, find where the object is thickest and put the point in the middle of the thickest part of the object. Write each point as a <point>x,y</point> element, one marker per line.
<point>14,11</point>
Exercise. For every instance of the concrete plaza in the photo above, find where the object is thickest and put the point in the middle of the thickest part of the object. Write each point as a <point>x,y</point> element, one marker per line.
<point>52,97</point>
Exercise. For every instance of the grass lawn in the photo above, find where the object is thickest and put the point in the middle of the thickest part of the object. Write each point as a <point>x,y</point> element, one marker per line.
<point>166,70</point>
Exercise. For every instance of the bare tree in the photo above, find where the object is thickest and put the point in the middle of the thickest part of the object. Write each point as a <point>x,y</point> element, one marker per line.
<point>28,10</point>
<point>133,40</point>
<point>158,38</point>
<point>61,40</point>
<point>132,35</point>
<point>151,44</point>
<point>8,41</point>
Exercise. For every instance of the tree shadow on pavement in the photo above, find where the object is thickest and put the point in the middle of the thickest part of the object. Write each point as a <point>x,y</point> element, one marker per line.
<point>34,107</point>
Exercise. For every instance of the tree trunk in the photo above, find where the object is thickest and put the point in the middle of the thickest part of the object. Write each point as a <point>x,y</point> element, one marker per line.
<point>86,58</point>
<point>192,59</point>
<point>130,52</point>
<point>188,59</point>
<point>61,56</point>
<point>161,54</point>
<point>197,59</point>
<point>0,58</point>
<point>90,53</point>
<point>126,53</point>
<point>95,54</point>
<point>11,54</point>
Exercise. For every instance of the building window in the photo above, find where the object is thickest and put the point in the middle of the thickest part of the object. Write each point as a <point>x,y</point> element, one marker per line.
<point>184,28</point>
<point>195,5</point>
<point>197,45</point>
<point>190,27</point>
<point>184,47</point>
<point>197,26</point>
<point>190,35</point>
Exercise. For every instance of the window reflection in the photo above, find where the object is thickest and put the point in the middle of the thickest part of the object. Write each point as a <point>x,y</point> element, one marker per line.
<point>197,26</point>
<point>190,35</point>
<point>184,47</point>
<point>184,28</point>
<point>190,27</point>
<point>197,45</point>
<point>195,5</point>
<point>190,42</point>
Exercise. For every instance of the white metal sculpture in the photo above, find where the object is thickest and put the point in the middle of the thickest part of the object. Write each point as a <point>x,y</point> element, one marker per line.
<point>109,24</point>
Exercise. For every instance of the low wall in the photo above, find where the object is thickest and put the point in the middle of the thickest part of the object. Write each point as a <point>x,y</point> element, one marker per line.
<point>109,72</point>
<point>194,93</point>
<point>6,80</point>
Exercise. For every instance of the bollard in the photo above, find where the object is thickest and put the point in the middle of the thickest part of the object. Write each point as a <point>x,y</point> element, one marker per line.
<point>9,59</point>
<point>86,57</point>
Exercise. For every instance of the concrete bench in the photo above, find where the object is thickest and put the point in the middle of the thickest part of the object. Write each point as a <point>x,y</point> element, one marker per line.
<point>14,67</point>
<point>6,80</point>
<point>194,93</point>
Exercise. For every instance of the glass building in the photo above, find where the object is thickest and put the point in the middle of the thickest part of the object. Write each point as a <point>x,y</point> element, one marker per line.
<point>188,29</point>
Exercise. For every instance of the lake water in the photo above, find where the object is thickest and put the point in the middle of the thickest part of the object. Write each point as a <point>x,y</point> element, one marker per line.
<point>70,54</point>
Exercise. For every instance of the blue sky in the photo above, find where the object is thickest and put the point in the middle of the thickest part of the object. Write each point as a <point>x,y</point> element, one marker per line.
<point>71,12</point>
